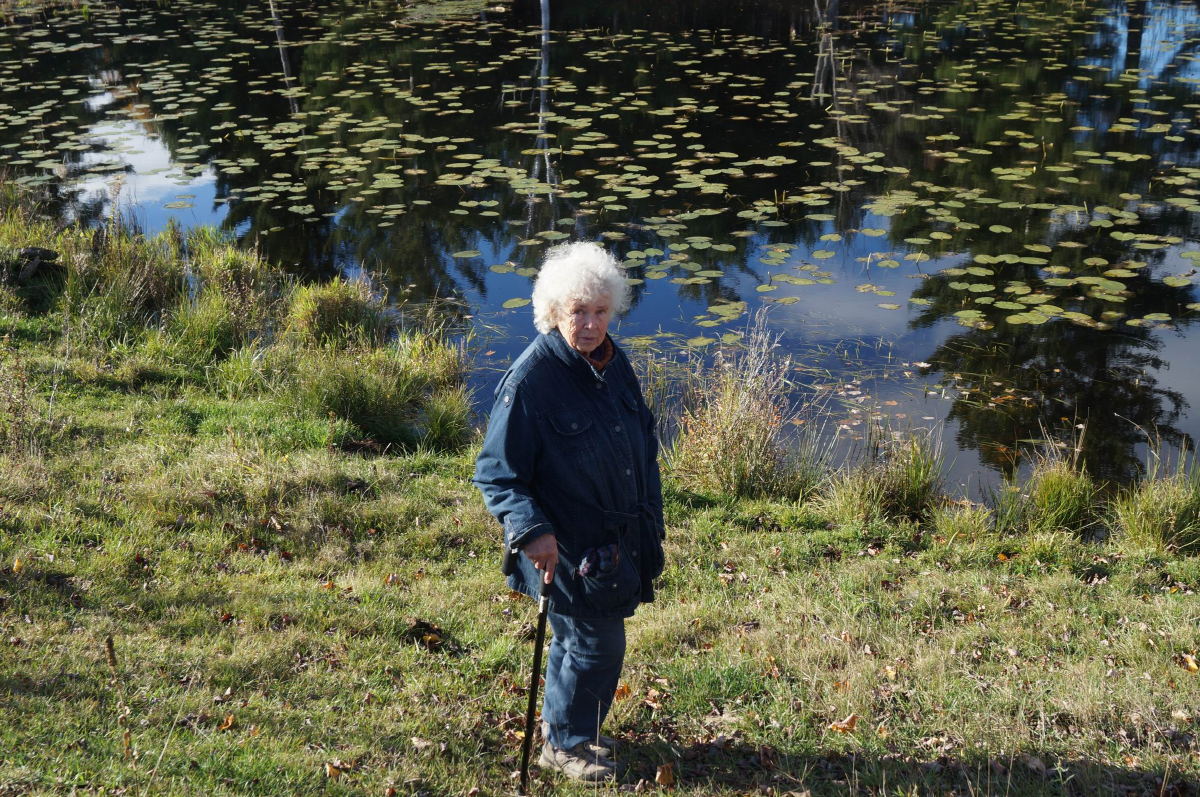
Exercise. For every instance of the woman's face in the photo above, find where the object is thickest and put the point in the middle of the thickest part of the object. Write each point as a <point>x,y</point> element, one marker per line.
<point>584,324</point>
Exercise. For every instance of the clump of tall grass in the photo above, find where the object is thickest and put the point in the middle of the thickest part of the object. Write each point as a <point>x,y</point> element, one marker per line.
<point>1162,512</point>
<point>900,480</point>
<point>736,433</point>
<point>338,311</point>
<point>118,281</point>
<point>407,393</point>
<point>961,520</point>
<point>1061,497</point>
<point>250,287</point>
<point>205,329</point>
<point>1058,495</point>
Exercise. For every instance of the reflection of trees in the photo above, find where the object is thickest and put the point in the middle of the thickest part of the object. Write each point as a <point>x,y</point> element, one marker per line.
<point>1018,380</point>
<point>772,19</point>
<point>869,99</point>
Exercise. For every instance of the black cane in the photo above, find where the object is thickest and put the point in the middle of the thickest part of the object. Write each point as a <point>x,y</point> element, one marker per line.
<point>538,640</point>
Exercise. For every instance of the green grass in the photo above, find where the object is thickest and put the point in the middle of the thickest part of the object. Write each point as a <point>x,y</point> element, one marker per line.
<point>1162,513</point>
<point>265,590</point>
<point>900,481</point>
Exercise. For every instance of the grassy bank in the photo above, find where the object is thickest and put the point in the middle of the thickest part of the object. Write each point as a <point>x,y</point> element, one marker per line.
<point>259,493</point>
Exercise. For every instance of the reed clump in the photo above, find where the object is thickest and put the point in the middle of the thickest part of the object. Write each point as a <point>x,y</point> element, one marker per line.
<point>738,433</point>
<point>1162,511</point>
<point>1057,496</point>
<point>340,311</point>
<point>899,481</point>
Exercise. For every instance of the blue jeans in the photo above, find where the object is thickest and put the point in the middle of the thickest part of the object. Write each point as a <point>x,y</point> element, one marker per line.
<point>582,671</point>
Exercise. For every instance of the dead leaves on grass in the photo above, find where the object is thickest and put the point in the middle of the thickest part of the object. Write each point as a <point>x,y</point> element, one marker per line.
<point>844,726</point>
<point>430,636</point>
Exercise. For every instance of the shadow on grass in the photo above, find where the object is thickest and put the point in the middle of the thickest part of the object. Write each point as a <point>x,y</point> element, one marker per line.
<point>731,765</point>
<point>690,499</point>
<point>59,586</point>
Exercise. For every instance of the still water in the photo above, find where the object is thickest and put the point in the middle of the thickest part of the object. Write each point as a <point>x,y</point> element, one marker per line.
<point>974,216</point>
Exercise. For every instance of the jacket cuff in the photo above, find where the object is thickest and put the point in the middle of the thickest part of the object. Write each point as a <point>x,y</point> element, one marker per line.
<point>527,535</point>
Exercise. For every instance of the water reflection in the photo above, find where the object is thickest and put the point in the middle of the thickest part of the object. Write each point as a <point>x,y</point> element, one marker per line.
<point>1006,195</point>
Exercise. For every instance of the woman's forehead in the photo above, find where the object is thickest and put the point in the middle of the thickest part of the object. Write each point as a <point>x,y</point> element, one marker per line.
<point>600,298</point>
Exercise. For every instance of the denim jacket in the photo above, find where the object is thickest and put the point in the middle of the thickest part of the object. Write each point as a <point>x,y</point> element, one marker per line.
<point>572,451</point>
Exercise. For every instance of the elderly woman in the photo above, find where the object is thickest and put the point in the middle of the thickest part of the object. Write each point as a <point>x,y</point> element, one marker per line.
<point>569,467</point>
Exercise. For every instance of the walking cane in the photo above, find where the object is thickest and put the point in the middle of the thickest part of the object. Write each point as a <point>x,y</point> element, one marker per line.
<point>538,641</point>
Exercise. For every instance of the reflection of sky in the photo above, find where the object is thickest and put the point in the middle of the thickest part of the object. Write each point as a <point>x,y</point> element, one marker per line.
<point>1184,378</point>
<point>1169,31</point>
<point>152,181</point>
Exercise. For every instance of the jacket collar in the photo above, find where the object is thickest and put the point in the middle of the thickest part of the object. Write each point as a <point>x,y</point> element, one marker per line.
<point>575,361</point>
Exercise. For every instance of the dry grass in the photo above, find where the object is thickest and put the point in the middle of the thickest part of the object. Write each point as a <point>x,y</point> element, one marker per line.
<point>739,433</point>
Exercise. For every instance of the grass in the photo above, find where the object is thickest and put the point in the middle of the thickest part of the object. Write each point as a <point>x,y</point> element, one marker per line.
<point>289,617</point>
<point>739,433</point>
<point>1162,513</point>
<point>900,481</point>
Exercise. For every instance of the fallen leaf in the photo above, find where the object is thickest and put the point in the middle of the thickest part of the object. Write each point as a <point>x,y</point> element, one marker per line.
<point>392,579</point>
<point>18,565</point>
<point>665,776</point>
<point>227,723</point>
<point>1189,663</point>
<point>331,771</point>
<point>421,744</point>
<point>623,691</point>
<point>846,725</point>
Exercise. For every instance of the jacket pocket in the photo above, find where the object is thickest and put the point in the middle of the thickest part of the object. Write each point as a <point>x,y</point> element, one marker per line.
<point>572,434</point>
<point>608,580</point>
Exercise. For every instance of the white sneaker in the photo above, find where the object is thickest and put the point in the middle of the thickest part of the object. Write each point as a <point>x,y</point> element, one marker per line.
<point>603,745</point>
<point>581,762</point>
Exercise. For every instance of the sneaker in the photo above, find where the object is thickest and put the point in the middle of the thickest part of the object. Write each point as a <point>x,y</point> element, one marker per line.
<point>578,763</point>
<point>601,745</point>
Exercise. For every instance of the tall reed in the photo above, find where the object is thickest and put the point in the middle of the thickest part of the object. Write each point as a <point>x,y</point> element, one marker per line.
<point>738,433</point>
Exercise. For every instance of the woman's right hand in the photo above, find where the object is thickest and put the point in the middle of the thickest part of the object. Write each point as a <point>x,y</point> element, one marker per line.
<point>543,552</point>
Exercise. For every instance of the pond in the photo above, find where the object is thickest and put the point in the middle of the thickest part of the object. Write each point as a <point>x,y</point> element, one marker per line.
<point>968,215</point>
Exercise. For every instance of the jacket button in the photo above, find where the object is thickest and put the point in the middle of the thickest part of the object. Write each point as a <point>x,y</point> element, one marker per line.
<point>574,426</point>
<point>628,472</point>
<point>616,428</point>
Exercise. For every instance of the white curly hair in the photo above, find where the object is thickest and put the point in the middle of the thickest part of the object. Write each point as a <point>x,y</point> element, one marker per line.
<point>578,271</point>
